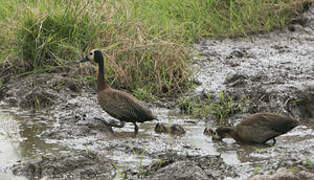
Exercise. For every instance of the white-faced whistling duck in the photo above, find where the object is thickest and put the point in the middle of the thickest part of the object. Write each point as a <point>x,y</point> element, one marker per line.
<point>256,129</point>
<point>118,104</point>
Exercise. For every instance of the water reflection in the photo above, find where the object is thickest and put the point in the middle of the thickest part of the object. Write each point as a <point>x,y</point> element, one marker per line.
<point>19,140</point>
<point>9,143</point>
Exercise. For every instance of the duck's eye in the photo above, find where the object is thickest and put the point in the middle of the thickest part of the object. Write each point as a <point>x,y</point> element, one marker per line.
<point>91,53</point>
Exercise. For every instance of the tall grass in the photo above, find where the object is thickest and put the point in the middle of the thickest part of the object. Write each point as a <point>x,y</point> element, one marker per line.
<point>53,34</point>
<point>146,43</point>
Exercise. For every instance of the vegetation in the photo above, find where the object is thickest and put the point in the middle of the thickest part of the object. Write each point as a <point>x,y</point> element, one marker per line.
<point>146,43</point>
<point>120,173</point>
<point>206,107</point>
<point>309,164</point>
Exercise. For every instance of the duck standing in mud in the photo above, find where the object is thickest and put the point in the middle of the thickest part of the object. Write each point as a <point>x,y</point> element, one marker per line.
<point>119,104</point>
<point>256,129</point>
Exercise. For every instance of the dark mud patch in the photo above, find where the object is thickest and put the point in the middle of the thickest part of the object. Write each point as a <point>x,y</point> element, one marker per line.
<point>83,165</point>
<point>172,166</point>
<point>94,166</point>
<point>39,91</point>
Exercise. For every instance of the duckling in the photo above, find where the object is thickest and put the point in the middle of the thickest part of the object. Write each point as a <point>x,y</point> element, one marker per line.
<point>256,129</point>
<point>119,104</point>
<point>174,129</point>
<point>211,132</point>
<point>161,128</point>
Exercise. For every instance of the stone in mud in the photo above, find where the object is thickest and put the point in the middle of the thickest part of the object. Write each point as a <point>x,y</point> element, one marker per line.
<point>183,170</point>
<point>84,165</point>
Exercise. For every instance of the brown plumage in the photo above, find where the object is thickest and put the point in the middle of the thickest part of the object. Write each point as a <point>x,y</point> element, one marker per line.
<point>174,129</point>
<point>256,129</point>
<point>118,104</point>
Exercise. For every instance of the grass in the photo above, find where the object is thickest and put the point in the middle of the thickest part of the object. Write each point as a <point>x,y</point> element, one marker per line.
<point>120,173</point>
<point>257,170</point>
<point>143,94</point>
<point>208,107</point>
<point>146,43</point>
<point>309,164</point>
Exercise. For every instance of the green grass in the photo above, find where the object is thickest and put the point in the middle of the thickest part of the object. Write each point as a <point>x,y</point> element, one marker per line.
<point>207,107</point>
<point>146,43</point>
<point>309,164</point>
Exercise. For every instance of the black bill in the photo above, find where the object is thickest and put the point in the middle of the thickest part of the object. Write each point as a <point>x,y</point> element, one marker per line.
<point>84,59</point>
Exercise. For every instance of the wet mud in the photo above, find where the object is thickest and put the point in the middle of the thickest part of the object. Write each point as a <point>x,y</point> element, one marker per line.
<point>55,132</point>
<point>275,71</point>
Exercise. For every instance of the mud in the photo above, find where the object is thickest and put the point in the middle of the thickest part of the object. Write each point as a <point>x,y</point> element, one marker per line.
<point>55,132</point>
<point>74,166</point>
<point>39,91</point>
<point>275,71</point>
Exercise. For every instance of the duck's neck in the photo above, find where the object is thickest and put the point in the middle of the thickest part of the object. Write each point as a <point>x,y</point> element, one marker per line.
<point>101,84</point>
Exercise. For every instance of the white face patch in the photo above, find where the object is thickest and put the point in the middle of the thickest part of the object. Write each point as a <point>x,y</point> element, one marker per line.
<point>90,56</point>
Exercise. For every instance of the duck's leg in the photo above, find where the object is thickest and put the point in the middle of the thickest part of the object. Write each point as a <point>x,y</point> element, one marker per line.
<point>135,128</point>
<point>274,141</point>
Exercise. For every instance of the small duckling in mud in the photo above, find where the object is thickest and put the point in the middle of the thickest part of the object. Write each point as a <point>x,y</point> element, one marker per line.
<point>174,129</point>
<point>212,133</point>
<point>255,129</point>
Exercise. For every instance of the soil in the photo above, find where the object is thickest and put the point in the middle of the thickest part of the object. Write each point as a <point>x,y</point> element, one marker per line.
<point>50,123</point>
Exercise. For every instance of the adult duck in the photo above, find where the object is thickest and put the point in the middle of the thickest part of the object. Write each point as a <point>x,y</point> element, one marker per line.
<point>256,129</point>
<point>119,104</point>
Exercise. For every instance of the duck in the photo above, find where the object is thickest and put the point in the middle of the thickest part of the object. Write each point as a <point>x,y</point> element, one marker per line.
<point>174,129</point>
<point>117,103</point>
<point>255,129</point>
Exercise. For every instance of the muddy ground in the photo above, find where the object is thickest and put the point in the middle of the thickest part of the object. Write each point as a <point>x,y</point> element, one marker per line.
<point>48,125</point>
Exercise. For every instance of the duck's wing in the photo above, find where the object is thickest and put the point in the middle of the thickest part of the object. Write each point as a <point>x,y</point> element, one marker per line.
<point>275,122</point>
<point>257,135</point>
<point>124,106</point>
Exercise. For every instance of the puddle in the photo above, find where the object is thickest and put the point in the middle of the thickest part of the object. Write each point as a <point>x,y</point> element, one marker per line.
<point>9,142</point>
<point>19,139</point>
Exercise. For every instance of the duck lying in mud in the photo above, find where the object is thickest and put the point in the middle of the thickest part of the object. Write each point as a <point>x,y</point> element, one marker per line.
<point>255,129</point>
<point>174,129</point>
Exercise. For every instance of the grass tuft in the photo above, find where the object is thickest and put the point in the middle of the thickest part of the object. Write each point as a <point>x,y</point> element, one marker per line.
<point>206,107</point>
<point>53,35</point>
